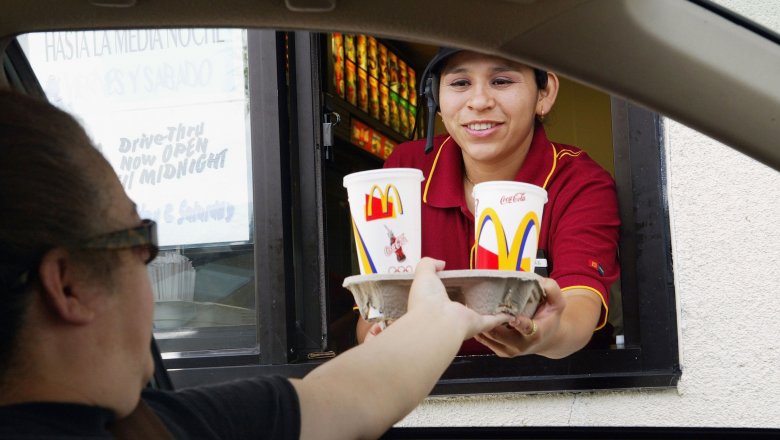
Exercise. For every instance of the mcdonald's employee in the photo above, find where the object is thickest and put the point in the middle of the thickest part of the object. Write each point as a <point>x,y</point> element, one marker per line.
<point>493,110</point>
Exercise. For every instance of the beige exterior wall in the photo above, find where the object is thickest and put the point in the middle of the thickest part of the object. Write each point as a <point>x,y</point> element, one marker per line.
<point>725,223</point>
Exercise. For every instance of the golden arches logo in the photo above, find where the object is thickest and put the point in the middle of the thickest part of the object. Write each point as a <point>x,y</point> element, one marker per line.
<point>509,257</point>
<point>385,205</point>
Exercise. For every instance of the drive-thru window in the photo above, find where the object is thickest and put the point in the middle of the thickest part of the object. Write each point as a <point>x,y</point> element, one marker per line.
<point>236,142</point>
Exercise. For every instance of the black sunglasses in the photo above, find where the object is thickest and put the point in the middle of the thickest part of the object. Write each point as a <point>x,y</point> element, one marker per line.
<point>143,235</point>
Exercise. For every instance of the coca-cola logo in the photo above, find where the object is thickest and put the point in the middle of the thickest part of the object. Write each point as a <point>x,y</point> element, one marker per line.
<point>514,198</point>
<point>397,243</point>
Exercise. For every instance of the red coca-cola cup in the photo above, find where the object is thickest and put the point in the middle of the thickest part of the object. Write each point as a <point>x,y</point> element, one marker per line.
<point>508,218</point>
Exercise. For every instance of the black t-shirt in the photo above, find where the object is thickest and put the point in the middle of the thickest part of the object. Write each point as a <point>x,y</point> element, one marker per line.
<point>265,407</point>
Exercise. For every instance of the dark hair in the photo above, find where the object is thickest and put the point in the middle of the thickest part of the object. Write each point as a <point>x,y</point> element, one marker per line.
<point>50,196</point>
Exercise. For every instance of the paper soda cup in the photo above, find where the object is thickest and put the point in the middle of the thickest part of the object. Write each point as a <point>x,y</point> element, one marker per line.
<point>385,208</point>
<point>508,219</point>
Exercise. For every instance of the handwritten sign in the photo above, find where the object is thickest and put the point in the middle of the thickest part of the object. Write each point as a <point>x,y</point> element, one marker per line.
<point>169,110</point>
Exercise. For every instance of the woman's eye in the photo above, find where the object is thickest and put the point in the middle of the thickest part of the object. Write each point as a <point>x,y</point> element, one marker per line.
<point>502,82</point>
<point>459,83</point>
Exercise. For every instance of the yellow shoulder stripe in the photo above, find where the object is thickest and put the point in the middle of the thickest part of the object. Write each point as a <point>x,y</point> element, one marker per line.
<point>557,155</point>
<point>569,153</point>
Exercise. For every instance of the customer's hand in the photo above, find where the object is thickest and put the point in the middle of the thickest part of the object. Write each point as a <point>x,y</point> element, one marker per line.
<point>428,294</point>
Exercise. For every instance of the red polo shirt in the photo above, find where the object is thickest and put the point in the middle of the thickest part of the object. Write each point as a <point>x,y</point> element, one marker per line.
<point>580,223</point>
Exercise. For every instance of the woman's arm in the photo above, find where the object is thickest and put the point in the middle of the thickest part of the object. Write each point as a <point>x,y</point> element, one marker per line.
<point>362,392</point>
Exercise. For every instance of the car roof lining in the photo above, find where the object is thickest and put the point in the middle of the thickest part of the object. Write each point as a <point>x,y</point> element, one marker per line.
<point>671,56</point>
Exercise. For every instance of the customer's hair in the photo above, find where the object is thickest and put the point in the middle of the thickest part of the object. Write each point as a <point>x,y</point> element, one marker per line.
<point>51,195</point>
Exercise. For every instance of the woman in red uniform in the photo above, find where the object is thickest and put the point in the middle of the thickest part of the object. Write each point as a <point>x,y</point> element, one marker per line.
<point>493,110</point>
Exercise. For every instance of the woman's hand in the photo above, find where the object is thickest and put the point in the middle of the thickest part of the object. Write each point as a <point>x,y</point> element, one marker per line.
<point>560,326</point>
<point>375,329</point>
<point>524,335</point>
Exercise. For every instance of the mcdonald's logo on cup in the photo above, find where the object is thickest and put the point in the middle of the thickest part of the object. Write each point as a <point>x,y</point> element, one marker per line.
<point>385,209</point>
<point>384,206</point>
<point>509,216</point>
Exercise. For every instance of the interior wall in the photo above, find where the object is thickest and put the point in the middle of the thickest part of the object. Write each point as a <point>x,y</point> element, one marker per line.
<point>582,117</point>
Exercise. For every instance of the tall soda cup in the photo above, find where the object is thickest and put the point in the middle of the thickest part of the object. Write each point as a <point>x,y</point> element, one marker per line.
<point>385,209</point>
<point>508,217</point>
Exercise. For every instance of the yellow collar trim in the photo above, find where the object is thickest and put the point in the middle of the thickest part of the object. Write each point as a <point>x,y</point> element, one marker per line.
<point>433,168</point>
<point>554,165</point>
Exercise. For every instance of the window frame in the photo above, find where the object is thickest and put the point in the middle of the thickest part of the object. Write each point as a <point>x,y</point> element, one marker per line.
<point>650,357</point>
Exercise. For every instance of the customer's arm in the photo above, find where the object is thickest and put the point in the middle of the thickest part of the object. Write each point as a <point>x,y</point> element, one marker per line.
<point>363,391</point>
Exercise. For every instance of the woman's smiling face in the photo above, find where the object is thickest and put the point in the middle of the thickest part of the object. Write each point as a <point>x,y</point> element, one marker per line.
<point>488,105</point>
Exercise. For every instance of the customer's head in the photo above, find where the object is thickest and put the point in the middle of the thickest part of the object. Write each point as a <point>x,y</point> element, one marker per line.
<point>57,194</point>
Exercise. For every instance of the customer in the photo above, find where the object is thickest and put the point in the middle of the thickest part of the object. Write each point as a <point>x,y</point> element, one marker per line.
<point>76,316</point>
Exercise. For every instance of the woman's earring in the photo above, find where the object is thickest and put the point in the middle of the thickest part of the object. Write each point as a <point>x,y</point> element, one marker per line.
<point>540,116</point>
